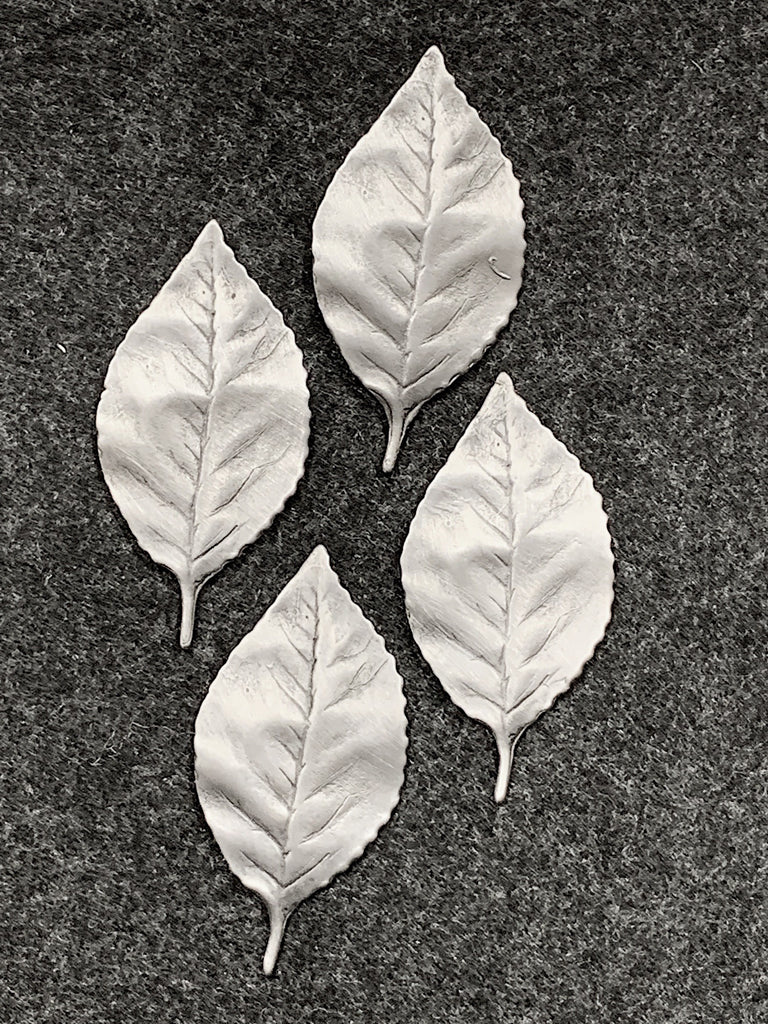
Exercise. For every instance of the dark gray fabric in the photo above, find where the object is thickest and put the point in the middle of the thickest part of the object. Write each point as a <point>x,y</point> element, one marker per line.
<point>624,878</point>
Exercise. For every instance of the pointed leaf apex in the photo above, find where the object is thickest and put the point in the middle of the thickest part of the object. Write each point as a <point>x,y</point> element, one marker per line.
<point>435,51</point>
<point>319,556</point>
<point>316,567</point>
<point>212,231</point>
<point>505,380</point>
<point>433,60</point>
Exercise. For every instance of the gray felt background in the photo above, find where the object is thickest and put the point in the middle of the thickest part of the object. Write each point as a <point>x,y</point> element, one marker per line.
<point>624,881</point>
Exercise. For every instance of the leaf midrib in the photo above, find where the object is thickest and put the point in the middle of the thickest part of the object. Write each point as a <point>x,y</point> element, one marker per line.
<point>205,431</point>
<point>301,756</point>
<point>421,262</point>
<point>510,584</point>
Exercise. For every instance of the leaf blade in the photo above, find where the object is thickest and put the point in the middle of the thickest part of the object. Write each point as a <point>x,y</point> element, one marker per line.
<point>312,700</point>
<point>418,246</point>
<point>508,571</point>
<point>203,423</point>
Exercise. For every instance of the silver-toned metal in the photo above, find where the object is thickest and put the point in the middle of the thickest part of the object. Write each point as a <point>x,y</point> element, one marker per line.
<point>300,744</point>
<point>508,571</point>
<point>203,424</point>
<point>418,246</point>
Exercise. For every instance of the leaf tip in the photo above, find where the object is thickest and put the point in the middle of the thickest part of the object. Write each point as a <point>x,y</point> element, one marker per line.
<point>505,380</point>
<point>212,232</point>
<point>434,53</point>
<point>432,63</point>
<point>319,556</point>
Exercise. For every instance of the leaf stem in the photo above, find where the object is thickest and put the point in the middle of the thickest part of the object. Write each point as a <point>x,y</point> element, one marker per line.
<point>396,430</point>
<point>188,604</point>
<point>277,919</point>
<point>506,749</point>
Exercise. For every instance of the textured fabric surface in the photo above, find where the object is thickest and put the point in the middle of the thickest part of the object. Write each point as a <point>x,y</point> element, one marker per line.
<point>624,880</point>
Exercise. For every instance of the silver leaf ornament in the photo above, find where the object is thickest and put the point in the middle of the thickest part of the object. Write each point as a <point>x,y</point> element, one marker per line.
<point>300,744</point>
<point>508,571</point>
<point>203,424</point>
<point>418,246</point>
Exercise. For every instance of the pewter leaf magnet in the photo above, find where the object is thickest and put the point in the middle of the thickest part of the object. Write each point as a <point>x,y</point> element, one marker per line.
<point>300,744</point>
<point>204,419</point>
<point>418,246</point>
<point>508,571</point>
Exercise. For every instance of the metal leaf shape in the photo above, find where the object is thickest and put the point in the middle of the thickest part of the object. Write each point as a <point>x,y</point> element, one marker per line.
<point>300,744</point>
<point>508,571</point>
<point>204,420</point>
<point>418,246</point>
